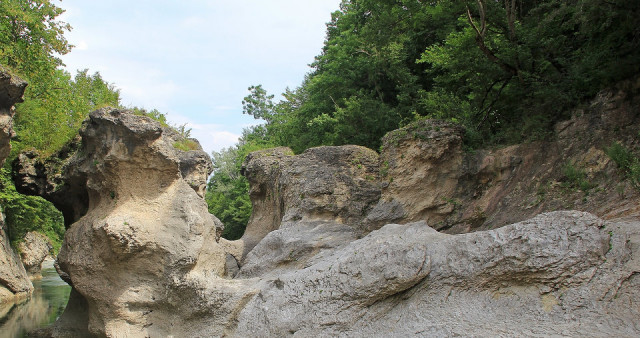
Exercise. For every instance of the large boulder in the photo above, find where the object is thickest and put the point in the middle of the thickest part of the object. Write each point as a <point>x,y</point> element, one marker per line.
<point>11,90</point>
<point>34,248</point>
<point>337,185</point>
<point>34,175</point>
<point>14,282</point>
<point>318,258</point>
<point>421,165</point>
<point>142,231</point>
<point>405,280</point>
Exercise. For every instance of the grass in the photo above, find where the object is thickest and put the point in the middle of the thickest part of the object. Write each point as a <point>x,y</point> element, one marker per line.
<point>626,161</point>
<point>576,178</point>
<point>186,145</point>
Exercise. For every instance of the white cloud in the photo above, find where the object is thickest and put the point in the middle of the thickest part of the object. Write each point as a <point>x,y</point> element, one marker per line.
<point>194,59</point>
<point>212,136</point>
<point>149,92</point>
<point>82,45</point>
<point>214,139</point>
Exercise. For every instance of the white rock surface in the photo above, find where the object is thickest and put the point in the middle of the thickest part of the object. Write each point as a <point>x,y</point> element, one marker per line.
<point>14,282</point>
<point>144,261</point>
<point>34,248</point>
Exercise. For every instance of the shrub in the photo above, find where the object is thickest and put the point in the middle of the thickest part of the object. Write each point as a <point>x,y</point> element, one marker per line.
<point>577,178</point>
<point>186,145</point>
<point>29,213</point>
<point>626,161</point>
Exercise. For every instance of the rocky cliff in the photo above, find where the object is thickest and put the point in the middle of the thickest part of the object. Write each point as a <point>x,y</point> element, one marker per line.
<point>14,282</point>
<point>427,175</point>
<point>346,242</point>
<point>34,249</point>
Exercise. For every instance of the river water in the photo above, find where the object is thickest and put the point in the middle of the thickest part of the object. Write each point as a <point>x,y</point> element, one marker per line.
<point>46,304</point>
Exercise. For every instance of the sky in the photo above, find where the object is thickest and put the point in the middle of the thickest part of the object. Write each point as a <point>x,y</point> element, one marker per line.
<point>194,59</point>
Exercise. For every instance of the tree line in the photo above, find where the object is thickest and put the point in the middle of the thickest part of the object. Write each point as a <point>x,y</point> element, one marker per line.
<point>55,104</point>
<point>505,70</point>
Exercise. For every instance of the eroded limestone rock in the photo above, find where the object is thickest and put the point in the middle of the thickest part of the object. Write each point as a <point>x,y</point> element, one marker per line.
<point>427,175</point>
<point>422,165</point>
<point>382,284</point>
<point>14,281</point>
<point>146,229</point>
<point>11,90</point>
<point>34,248</point>
<point>325,184</point>
<point>145,259</point>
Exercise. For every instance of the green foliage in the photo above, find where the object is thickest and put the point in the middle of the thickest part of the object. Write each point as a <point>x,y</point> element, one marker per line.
<point>519,68</point>
<point>505,70</point>
<point>186,144</point>
<point>626,161</point>
<point>576,178</point>
<point>31,37</point>
<point>55,104</point>
<point>31,40</point>
<point>229,201</point>
<point>227,191</point>
<point>53,111</point>
<point>258,104</point>
<point>28,213</point>
<point>153,114</point>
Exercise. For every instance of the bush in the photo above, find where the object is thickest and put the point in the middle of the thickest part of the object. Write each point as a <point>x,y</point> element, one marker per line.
<point>626,161</point>
<point>577,178</point>
<point>186,145</point>
<point>29,213</point>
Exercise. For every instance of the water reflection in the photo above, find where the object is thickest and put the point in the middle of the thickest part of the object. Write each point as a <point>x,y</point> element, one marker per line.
<point>47,303</point>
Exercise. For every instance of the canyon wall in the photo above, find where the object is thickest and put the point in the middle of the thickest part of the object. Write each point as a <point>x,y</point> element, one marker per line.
<point>14,282</point>
<point>424,239</point>
<point>428,175</point>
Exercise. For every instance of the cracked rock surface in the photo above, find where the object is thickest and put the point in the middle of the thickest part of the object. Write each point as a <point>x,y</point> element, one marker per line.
<point>145,258</point>
<point>14,281</point>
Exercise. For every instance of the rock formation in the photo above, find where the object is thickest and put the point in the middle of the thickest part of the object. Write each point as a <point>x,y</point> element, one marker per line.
<point>336,185</point>
<point>333,247</point>
<point>33,250</point>
<point>427,174</point>
<point>11,90</point>
<point>138,217</point>
<point>13,277</point>
<point>405,280</point>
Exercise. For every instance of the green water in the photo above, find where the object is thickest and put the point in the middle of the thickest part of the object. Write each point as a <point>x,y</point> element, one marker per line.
<point>46,304</point>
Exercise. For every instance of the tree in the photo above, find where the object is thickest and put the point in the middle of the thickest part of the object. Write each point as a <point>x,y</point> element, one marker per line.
<point>258,104</point>
<point>227,190</point>
<point>55,104</point>
<point>29,213</point>
<point>52,118</point>
<point>31,37</point>
<point>506,70</point>
<point>520,66</point>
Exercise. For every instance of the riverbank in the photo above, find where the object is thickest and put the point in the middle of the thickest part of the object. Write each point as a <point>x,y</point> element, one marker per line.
<point>42,308</point>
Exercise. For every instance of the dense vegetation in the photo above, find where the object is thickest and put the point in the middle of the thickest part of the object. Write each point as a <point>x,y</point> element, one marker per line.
<point>505,70</point>
<point>55,104</point>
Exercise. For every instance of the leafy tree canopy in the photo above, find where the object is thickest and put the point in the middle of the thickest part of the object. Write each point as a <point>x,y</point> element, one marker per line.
<point>55,104</point>
<point>505,70</point>
<point>31,37</point>
<point>227,191</point>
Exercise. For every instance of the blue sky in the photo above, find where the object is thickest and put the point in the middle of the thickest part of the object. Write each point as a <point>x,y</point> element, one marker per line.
<point>195,59</point>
